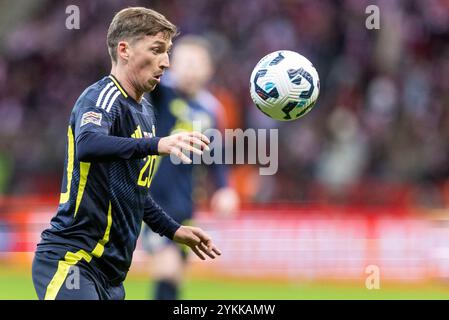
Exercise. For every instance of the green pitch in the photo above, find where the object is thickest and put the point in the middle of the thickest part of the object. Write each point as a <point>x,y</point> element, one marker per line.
<point>17,284</point>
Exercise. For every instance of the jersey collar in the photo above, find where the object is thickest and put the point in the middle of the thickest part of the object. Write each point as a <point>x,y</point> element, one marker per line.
<point>117,84</point>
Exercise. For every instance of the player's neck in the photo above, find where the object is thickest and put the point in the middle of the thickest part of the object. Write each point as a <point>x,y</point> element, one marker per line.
<point>126,84</point>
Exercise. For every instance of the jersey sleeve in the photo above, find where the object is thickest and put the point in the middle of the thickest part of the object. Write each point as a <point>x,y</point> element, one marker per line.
<point>159,221</point>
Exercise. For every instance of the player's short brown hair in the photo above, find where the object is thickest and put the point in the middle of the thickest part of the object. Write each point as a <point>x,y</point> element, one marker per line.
<point>135,22</point>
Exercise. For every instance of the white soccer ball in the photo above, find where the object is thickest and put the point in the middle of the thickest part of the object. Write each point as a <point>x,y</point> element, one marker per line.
<point>284,85</point>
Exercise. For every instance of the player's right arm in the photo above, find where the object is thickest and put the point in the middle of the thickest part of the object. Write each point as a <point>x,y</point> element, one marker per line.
<point>92,146</point>
<point>93,134</point>
<point>95,143</point>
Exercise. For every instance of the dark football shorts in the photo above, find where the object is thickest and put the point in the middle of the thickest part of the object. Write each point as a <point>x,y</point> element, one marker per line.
<point>70,277</point>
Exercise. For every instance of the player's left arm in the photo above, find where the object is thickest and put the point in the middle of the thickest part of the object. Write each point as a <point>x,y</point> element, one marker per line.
<point>160,222</point>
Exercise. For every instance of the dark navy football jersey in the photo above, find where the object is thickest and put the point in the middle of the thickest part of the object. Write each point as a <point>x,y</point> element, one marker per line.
<point>105,190</point>
<point>173,184</point>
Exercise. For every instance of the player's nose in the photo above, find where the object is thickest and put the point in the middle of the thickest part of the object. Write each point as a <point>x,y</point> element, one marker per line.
<point>165,62</point>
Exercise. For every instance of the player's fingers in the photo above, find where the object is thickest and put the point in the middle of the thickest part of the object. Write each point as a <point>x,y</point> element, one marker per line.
<point>188,147</point>
<point>216,250</point>
<point>207,242</point>
<point>206,250</point>
<point>203,236</point>
<point>178,153</point>
<point>198,253</point>
<point>200,136</point>
<point>212,248</point>
<point>198,142</point>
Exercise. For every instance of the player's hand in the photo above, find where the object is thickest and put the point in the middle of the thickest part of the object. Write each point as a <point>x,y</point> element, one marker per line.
<point>175,144</point>
<point>225,202</point>
<point>197,240</point>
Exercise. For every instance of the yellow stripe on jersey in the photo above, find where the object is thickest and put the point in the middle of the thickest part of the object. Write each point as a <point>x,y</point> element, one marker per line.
<point>118,86</point>
<point>84,172</point>
<point>71,259</point>
<point>70,159</point>
<point>99,248</point>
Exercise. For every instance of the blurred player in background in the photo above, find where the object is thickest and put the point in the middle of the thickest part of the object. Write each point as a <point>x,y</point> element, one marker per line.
<point>111,149</point>
<point>182,100</point>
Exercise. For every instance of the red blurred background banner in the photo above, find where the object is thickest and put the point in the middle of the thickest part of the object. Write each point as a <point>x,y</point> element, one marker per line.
<point>285,241</point>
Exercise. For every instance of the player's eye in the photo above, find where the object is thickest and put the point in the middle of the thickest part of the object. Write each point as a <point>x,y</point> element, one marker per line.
<point>156,50</point>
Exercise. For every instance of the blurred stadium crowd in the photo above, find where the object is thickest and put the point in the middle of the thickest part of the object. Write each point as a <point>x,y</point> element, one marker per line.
<point>381,122</point>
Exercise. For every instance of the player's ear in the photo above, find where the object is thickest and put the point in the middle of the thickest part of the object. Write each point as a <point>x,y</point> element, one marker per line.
<point>123,50</point>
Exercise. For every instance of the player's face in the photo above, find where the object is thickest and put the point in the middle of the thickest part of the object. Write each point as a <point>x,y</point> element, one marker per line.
<point>148,59</point>
<point>191,67</point>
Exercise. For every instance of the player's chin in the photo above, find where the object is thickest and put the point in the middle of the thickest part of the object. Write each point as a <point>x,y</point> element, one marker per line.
<point>151,85</point>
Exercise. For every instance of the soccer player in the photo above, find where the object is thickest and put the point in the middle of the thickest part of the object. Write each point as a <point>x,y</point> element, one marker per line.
<point>111,152</point>
<point>181,100</point>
